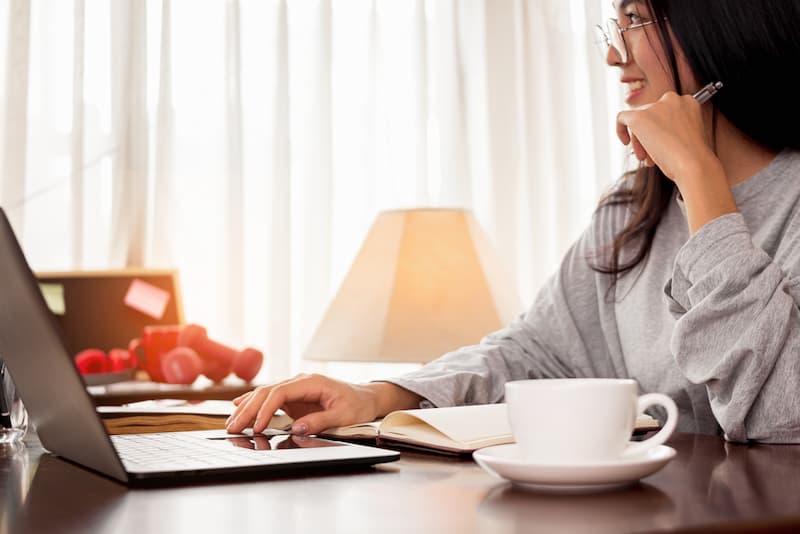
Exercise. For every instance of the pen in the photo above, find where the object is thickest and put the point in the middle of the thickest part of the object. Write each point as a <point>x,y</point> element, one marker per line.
<point>5,415</point>
<point>705,94</point>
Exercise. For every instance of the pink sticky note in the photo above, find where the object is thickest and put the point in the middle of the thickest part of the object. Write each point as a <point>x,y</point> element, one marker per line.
<point>147,298</point>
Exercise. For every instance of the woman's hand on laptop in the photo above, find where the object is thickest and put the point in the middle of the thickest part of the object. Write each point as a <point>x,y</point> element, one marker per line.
<point>317,403</point>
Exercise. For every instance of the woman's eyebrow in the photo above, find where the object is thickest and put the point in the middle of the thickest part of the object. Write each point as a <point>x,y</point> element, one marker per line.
<point>625,3</point>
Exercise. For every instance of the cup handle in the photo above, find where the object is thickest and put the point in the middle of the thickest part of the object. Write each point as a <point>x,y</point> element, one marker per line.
<point>645,401</point>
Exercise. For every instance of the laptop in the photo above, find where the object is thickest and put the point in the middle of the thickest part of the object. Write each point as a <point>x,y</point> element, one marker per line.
<point>68,424</point>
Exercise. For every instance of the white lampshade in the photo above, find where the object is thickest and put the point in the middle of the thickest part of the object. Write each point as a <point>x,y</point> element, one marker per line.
<point>425,282</point>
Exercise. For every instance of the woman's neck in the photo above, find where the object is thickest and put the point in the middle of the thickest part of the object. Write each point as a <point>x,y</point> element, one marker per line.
<point>741,156</point>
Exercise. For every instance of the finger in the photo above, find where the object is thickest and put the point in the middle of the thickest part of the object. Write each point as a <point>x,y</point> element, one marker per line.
<point>318,422</point>
<point>248,408</point>
<point>240,403</point>
<point>638,149</point>
<point>241,398</point>
<point>302,389</point>
<point>245,412</point>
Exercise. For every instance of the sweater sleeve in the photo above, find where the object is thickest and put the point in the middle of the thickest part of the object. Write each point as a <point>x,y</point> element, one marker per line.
<point>554,339</point>
<point>738,328</point>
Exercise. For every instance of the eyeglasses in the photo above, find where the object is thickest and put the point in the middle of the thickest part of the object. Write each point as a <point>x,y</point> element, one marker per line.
<point>615,37</point>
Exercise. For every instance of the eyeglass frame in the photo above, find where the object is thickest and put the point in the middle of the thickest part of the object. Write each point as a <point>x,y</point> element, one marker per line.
<point>615,29</point>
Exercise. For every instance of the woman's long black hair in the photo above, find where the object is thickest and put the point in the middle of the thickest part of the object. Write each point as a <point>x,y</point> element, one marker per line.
<point>753,47</point>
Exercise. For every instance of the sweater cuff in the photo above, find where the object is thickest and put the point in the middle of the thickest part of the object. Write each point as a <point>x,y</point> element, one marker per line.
<point>414,387</point>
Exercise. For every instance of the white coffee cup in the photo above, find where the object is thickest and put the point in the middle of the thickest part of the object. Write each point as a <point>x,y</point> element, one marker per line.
<point>582,420</point>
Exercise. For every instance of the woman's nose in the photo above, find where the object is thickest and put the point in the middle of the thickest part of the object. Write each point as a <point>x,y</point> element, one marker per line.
<point>613,57</point>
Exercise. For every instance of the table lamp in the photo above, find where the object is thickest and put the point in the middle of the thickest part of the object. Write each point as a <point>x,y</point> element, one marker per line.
<point>425,282</point>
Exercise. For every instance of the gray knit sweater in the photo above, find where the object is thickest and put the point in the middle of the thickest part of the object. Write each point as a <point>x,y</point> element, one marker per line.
<point>711,320</point>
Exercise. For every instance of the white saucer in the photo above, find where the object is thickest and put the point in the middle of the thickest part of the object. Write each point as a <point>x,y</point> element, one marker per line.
<point>506,461</point>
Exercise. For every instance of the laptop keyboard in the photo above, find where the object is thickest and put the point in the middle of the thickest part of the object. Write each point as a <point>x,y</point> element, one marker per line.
<point>176,451</point>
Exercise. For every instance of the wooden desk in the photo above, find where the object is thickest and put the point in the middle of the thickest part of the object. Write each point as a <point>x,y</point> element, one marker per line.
<point>712,485</point>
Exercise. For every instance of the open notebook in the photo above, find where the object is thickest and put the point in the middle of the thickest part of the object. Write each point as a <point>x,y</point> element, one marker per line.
<point>454,430</point>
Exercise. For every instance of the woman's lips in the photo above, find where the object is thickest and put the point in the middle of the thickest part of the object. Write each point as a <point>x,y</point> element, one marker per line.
<point>635,88</point>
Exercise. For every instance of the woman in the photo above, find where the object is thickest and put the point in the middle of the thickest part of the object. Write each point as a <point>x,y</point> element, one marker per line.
<point>688,278</point>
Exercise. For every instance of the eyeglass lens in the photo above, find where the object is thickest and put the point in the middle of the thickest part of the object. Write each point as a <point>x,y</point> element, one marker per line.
<point>616,40</point>
<point>611,37</point>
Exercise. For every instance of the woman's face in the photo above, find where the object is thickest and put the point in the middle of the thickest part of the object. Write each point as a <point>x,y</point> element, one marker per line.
<point>646,74</point>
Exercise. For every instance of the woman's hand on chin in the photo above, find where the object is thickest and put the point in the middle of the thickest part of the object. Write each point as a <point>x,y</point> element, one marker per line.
<point>672,134</point>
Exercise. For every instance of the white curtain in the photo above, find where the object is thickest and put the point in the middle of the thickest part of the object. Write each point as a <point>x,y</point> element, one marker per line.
<point>250,143</point>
